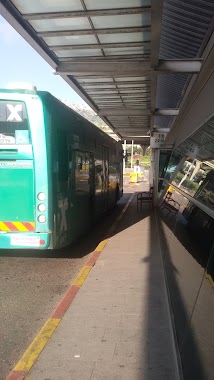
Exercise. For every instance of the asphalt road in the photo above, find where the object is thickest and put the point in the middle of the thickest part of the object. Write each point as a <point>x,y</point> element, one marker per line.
<point>32,284</point>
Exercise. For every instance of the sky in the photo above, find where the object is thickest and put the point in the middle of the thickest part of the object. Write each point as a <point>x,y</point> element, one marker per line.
<point>19,62</point>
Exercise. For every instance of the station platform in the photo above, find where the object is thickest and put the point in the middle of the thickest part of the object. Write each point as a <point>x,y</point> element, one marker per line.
<point>118,325</point>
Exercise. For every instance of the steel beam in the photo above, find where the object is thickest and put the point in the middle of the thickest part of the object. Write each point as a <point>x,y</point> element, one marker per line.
<point>133,102</point>
<point>145,56</point>
<point>179,66</point>
<point>137,112</point>
<point>86,32</point>
<point>145,82</point>
<point>113,68</point>
<point>166,112</point>
<point>131,129</point>
<point>91,13</point>
<point>113,90</point>
<point>128,122</point>
<point>144,140</point>
<point>131,68</point>
<point>129,125</point>
<point>156,16</point>
<point>132,137</point>
<point>116,95</point>
<point>161,130</point>
<point>123,111</point>
<point>99,46</point>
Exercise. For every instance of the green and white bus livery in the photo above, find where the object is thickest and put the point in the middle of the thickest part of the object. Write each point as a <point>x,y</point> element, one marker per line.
<point>58,172</point>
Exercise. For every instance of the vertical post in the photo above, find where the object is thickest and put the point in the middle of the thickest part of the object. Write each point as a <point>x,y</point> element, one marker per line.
<point>156,174</point>
<point>132,154</point>
<point>124,158</point>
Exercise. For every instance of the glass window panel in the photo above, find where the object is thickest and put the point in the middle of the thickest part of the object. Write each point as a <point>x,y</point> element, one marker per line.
<point>79,53</point>
<point>168,170</point>
<point>70,40</point>
<point>187,240</point>
<point>127,50</point>
<point>60,24</point>
<point>191,178</point>
<point>98,176</point>
<point>94,4</point>
<point>124,37</point>
<point>47,6</point>
<point>62,157</point>
<point>121,21</point>
<point>14,128</point>
<point>82,172</point>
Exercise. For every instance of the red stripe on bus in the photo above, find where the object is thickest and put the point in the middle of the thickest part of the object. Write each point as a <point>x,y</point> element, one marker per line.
<point>28,226</point>
<point>11,226</point>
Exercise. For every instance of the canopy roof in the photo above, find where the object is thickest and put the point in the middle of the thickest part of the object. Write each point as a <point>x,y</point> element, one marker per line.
<point>132,61</point>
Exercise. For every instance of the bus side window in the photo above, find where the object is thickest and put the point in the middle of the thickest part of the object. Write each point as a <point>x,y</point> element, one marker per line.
<point>82,172</point>
<point>62,156</point>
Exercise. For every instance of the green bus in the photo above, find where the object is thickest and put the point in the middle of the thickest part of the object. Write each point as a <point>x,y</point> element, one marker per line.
<point>58,172</point>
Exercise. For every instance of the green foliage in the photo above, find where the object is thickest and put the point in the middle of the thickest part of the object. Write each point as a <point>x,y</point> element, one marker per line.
<point>144,161</point>
<point>190,185</point>
<point>178,178</point>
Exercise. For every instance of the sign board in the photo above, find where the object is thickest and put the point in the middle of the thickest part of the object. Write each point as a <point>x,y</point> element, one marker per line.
<point>192,150</point>
<point>157,140</point>
<point>189,149</point>
<point>6,139</point>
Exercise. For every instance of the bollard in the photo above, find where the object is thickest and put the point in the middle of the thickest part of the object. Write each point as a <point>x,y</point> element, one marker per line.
<point>133,177</point>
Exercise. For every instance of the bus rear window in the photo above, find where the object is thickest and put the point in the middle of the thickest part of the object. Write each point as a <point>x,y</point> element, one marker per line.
<point>13,123</point>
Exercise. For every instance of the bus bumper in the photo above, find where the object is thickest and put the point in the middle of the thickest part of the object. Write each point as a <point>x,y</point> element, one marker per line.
<point>25,240</point>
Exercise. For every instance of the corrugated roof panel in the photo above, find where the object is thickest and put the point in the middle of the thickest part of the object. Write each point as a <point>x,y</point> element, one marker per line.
<point>162,121</point>
<point>169,89</point>
<point>184,27</point>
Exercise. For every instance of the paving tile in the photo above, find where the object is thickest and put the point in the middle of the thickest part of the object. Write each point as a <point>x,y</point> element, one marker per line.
<point>97,319</point>
<point>83,351</point>
<point>124,335</point>
<point>118,371</point>
<point>61,369</point>
<point>130,352</point>
<point>83,334</point>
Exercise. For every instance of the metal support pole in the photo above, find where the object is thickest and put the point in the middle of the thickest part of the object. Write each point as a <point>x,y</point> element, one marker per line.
<point>132,154</point>
<point>124,158</point>
<point>155,173</point>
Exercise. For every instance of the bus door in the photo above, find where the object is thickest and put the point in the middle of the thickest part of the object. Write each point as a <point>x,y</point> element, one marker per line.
<point>91,186</point>
<point>105,175</point>
<point>16,169</point>
<point>81,192</point>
